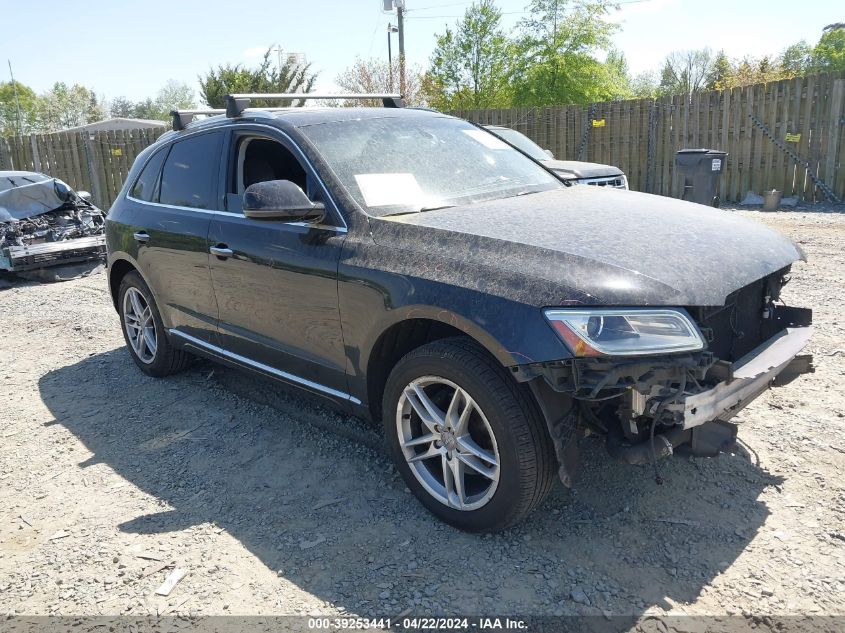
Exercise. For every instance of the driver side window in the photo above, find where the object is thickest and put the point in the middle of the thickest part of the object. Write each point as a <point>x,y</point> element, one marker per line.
<point>258,159</point>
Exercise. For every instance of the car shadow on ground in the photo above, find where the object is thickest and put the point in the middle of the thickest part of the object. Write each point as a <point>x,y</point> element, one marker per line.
<point>310,494</point>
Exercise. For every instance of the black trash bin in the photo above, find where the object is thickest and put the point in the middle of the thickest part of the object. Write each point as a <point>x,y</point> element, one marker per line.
<point>701,169</point>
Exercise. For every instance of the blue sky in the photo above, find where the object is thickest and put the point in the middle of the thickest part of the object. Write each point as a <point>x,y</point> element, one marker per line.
<point>131,49</point>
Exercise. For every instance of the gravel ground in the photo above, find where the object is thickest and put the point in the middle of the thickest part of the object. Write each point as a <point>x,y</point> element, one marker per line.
<point>274,504</point>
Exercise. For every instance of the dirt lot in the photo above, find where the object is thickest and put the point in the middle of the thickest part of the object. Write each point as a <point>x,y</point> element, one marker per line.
<point>275,505</point>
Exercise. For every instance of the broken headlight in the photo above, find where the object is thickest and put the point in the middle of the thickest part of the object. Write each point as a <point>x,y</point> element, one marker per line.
<point>625,331</point>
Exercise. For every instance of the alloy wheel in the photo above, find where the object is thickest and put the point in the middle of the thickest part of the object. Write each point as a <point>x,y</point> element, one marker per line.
<point>448,443</point>
<point>140,325</point>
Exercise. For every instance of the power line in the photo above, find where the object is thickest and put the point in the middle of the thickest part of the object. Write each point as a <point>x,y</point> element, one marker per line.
<point>439,6</point>
<point>458,4</point>
<point>375,30</point>
<point>432,17</point>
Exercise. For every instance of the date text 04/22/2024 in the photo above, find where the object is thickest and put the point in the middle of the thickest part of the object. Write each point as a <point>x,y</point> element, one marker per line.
<point>418,623</point>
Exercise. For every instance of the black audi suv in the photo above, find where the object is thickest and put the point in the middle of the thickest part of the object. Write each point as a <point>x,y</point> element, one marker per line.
<point>414,269</point>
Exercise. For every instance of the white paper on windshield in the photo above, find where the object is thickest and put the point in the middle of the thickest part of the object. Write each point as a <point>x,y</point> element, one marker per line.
<point>382,190</point>
<point>486,139</point>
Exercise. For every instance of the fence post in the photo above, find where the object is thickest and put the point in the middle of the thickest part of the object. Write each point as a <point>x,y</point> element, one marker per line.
<point>652,129</point>
<point>835,123</point>
<point>36,159</point>
<point>6,155</point>
<point>93,173</point>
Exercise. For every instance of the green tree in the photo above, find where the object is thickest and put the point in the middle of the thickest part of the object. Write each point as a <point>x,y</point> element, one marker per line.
<point>556,54</point>
<point>829,53</point>
<point>470,65</point>
<point>10,122</point>
<point>720,71</point>
<point>292,76</point>
<point>173,96</point>
<point>796,59</point>
<point>148,109</point>
<point>685,72</point>
<point>66,106</point>
<point>616,67</point>
<point>374,75</point>
<point>643,85</point>
<point>121,107</point>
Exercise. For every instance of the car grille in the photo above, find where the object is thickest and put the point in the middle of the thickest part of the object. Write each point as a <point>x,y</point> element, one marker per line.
<point>738,326</point>
<point>604,181</point>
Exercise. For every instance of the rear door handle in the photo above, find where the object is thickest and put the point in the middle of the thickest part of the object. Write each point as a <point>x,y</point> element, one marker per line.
<point>141,236</point>
<point>222,251</point>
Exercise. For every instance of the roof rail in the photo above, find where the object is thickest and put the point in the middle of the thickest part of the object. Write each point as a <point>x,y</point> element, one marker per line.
<point>237,103</point>
<point>181,118</point>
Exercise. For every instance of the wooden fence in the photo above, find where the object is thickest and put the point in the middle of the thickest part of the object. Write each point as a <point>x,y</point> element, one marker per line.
<point>97,162</point>
<point>807,114</point>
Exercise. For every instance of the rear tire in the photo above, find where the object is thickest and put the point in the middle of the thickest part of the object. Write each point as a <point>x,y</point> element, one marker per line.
<point>144,332</point>
<point>477,426</point>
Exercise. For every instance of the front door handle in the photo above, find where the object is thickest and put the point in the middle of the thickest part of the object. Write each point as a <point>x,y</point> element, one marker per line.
<point>222,251</point>
<point>141,237</point>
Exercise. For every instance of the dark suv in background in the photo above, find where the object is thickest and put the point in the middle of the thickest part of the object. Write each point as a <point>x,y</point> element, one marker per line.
<point>412,268</point>
<point>572,172</point>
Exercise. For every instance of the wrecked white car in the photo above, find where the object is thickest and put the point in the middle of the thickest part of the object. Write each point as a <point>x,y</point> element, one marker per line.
<point>43,222</point>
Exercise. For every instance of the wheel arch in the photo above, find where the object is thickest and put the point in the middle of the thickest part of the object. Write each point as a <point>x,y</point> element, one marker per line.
<point>419,326</point>
<point>118,269</point>
<point>121,264</point>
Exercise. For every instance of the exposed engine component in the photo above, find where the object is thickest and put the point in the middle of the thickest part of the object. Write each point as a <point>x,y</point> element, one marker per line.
<point>43,222</point>
<point>650,406</point>
<point>74,219</point>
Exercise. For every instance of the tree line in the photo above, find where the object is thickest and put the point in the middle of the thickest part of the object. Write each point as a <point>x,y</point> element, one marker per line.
<point>63,106</point>
<point>561,53</point>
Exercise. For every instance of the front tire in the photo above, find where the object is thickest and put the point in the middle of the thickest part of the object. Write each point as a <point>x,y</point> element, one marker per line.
<point>144,331</point>
<point>468,441</point>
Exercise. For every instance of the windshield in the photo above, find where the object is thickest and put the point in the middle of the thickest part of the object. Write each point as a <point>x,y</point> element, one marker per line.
<point>520,141</point>
<point>408,164</point>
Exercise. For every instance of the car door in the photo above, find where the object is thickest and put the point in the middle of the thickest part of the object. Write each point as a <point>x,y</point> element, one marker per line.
<point>276,282</point>
<point>173,199</point>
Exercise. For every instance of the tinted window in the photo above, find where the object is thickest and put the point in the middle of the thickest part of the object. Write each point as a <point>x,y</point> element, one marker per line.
<point>189,178</point>
<point>145,186</point>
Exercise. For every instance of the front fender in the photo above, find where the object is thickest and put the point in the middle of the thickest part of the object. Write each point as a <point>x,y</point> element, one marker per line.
<point>379,287</point>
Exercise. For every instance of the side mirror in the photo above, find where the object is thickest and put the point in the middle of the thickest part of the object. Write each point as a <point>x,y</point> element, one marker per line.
<point>549,153</point>
<point>281,200</point>
<point>84,195</point>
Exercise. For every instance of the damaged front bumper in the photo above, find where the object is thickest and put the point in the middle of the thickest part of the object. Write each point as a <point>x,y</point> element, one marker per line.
<point>32,256</point>
<point>748,378</point>
<point>648,407</point>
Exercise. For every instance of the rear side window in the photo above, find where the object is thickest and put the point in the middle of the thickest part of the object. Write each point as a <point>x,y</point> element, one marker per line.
<point>145,186</point>
<point>190,174</point>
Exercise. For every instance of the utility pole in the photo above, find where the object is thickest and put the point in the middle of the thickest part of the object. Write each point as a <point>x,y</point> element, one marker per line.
<point>17,101</point>
<point>278,51</point>
<point>390,29</point>
<point>400,23</point>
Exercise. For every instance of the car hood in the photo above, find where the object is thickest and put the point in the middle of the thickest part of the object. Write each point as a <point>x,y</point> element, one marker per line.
<point>578,169</point>
<point>27,194</point>
<point>596,245</point>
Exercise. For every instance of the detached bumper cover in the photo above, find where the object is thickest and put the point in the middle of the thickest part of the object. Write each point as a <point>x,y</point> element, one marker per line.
<point>752,375</point>
<point>17,258</point>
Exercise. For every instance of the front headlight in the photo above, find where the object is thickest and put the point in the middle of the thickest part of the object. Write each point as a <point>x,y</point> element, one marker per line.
<point>625,331</point>
<point>625,181</point>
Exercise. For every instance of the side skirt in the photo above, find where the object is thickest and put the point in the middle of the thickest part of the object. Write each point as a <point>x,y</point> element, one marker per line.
<point>218,353</point>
